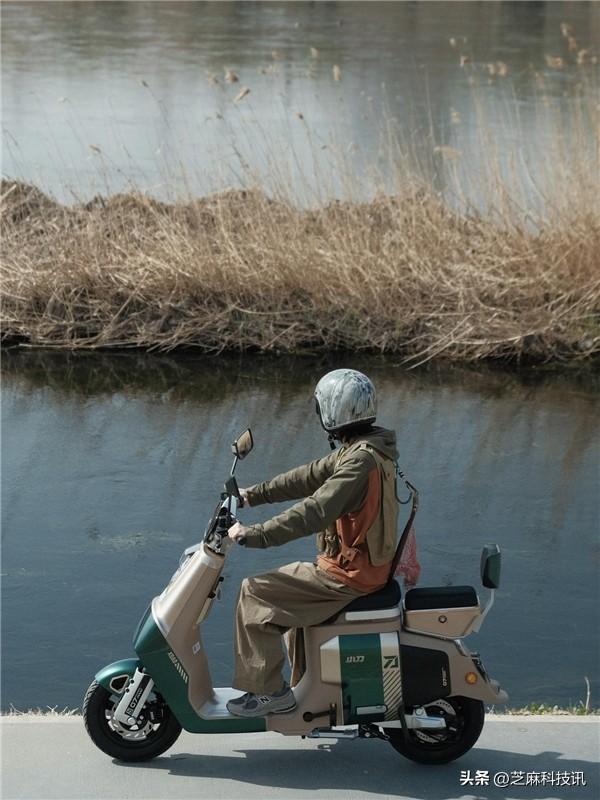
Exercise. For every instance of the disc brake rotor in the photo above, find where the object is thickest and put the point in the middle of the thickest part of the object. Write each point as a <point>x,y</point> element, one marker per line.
<point>138,731</point>
<point>444,709</point>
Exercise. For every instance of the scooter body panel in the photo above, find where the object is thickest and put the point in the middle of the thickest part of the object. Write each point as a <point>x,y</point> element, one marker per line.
<point>362,672</point>
<point>172,680</point>
<point>435,668</point>
<point>344,680</point>
<point>370,676</point>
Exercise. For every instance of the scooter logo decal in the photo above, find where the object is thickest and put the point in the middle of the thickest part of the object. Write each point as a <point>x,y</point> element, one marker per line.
<point>444,677</point>
<point>355,659</point>
<point>133,704</point>
<point>175,661</point>
<point>196,648</point>
<point>390,662</point>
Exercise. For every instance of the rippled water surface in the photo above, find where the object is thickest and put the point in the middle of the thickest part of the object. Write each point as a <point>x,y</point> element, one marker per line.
<point>112,464</point>
<point>100,96</point>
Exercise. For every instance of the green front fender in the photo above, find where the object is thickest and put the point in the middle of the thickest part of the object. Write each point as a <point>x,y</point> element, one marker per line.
<point>118,669</point>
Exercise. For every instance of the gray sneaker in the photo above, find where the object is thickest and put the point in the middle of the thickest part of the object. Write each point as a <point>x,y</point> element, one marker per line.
<point>259,705</point>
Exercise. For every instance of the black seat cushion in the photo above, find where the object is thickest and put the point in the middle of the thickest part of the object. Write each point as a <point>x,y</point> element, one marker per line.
<point>388,597</point>
<point>440,597</point>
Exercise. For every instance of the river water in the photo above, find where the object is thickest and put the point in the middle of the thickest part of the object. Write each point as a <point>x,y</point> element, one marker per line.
<point>112,465</point>
<point>100,97</point>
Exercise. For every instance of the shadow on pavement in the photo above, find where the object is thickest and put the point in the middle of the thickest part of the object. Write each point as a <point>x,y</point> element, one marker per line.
<point>379,770</point>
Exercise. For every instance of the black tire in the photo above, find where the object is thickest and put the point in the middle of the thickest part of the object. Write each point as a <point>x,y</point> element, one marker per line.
<point>156,732</point>
<point>464,720</point>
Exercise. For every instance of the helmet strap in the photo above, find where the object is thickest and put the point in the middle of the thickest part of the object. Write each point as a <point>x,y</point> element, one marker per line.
<point>331,440</point>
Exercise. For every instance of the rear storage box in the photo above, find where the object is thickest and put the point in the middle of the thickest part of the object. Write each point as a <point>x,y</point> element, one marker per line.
<point>448,611</point>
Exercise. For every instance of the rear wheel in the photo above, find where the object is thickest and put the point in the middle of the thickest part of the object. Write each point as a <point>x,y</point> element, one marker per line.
<point>155,731</point>
<point>464,721</point>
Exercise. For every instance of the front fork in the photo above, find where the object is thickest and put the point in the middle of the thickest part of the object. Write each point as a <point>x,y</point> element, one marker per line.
<point>134,697</point>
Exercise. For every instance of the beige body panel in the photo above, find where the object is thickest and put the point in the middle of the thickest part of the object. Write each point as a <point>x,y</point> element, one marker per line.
<point>451,623</point>
<point>179,610</point>
<point>322,660</point>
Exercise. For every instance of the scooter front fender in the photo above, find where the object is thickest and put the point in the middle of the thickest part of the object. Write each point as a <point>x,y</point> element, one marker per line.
<point>114,677</point>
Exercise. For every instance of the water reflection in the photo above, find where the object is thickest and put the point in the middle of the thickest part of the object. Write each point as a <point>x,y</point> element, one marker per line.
<point>196,377</point>
<point>145,85</point>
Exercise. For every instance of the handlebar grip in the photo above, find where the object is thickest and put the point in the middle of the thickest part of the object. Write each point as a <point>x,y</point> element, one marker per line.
<point>242,540</point>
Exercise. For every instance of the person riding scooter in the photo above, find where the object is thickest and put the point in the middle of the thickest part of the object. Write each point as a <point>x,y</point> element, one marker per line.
<point>349,497</point>
<point>377,665</point>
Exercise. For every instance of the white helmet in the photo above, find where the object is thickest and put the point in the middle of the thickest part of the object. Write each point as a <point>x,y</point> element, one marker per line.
<point>345,398</point>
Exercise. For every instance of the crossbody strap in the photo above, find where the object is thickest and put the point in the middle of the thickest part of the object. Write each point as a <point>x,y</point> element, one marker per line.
<point>414,496</point>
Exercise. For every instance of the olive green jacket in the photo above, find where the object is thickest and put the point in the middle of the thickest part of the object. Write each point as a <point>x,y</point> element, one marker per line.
<point>331,487</point>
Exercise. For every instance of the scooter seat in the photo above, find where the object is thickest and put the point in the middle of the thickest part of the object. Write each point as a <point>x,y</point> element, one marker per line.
<point>440,597</point>
<point>388,597</point>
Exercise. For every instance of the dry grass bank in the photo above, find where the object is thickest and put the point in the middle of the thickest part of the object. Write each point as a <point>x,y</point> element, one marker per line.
<point>236,271</point>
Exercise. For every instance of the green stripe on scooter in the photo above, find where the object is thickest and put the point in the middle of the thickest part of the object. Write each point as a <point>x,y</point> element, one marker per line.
<point>362,682</point>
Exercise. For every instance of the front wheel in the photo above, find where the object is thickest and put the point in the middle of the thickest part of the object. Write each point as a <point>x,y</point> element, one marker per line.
<point>155,731</point>
<point>464,721</point>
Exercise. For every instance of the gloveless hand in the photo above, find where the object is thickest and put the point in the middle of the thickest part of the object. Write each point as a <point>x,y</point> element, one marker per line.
<point>237,532</point>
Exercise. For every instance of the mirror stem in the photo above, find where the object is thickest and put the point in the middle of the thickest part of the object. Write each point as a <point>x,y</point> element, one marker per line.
<point>235,461</point>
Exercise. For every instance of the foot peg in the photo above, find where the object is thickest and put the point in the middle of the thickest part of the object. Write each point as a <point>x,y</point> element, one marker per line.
<point>327,733</point>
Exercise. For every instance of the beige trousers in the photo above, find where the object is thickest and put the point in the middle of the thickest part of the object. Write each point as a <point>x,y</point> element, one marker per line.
<point>291,597</point>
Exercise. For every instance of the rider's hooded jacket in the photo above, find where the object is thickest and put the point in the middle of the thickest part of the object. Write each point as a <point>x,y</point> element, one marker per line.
<point>350,499</point>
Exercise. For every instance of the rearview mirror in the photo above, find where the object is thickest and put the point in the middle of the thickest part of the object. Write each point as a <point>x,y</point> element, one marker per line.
<point>243,444</point>
<point>491,559</point>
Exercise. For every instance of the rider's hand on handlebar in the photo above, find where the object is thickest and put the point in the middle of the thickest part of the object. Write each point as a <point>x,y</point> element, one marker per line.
<point>237,532</point>
<point>244,496</point>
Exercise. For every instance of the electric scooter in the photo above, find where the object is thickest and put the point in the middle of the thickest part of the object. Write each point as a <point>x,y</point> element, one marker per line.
<point>383,667</point>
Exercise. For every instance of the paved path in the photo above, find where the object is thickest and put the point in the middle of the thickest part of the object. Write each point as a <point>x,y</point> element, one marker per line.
<point>52,757</point>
